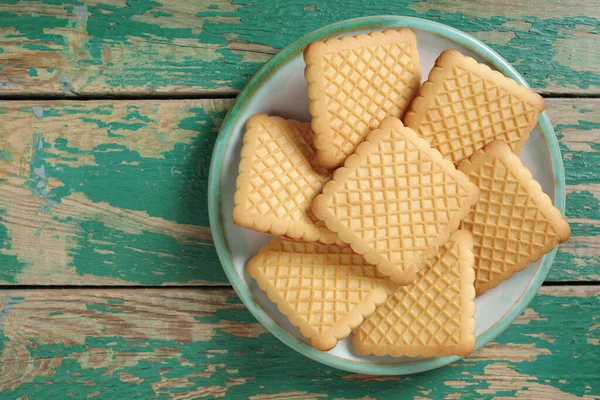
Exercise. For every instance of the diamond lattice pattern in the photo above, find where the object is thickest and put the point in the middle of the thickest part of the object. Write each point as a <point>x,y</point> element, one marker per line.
<point>284,177</point>
<point>321,283</point>
<point>507,225</point>
<point>399,200</point>
<point>470,112</point>
<point>365,85</point>
<point>427,312</point>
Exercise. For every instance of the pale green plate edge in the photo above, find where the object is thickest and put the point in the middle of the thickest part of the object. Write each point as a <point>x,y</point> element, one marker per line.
<point>377,22</point>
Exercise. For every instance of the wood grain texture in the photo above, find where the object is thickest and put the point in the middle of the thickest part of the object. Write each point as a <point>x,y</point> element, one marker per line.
<point>577,125</point>
<point>188,343</point>
<point>114,192</point>
<point>108,193</point>
<point>139,47</point>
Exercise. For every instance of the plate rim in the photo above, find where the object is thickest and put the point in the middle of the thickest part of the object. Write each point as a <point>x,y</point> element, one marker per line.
<point>224,136</point>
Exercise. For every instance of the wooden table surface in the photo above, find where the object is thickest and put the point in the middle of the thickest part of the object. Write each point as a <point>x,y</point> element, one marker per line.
<point>111,286</point>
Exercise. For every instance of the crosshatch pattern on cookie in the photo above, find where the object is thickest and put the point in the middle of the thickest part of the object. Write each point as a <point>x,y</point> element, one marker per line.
<point>514,223</point>
<point>395,200</point>
<point>355,74</point>
<point>324,290</point>
<point>465,105</point>
<point>278,179</point>
<point>281,155</point>
<point>432,316</point>
<point>422,196</point>
<point>356,82</point>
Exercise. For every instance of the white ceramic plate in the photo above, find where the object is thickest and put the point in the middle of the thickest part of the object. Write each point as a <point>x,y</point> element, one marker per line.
<point>279,88</point>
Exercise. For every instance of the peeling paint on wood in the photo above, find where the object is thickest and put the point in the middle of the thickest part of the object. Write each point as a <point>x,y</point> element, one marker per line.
<point>188,343</point>
<point>577,125</point>
<point>114,193</point>
<point>142,47</point>
<point>60,225</point>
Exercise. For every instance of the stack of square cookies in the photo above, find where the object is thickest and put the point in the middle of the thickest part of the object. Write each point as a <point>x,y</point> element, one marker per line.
<point>385,228</point>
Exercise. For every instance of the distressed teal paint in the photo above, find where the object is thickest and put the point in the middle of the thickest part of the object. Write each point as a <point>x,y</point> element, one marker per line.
<point>34,27</point>
<point>83,63</point>
<point>114,125</point>
<point>32,72</point>
<point>572,347</point>
<point>157,13</point>
<point>568,267</point>
<point>234,300</point>
<point>55,313</point>
<point>238,315</point>
<point>125,126</point>
<point>146,258</point>
<point>265,366</point>
<point>172,186</point>
<point>580,167</point>
<point>10,265</point>
<point>36,47</point>
<point>102,308</point>
<point>302,371</point>
<point>583,205</point>
<point>134,114</point>
<point>5,305</point>
<point>531,51</point>
<point>38,178</point>
<point>578,229</point>
<point>79,109</point>
<point>103,30</point>
<point>6,155</point>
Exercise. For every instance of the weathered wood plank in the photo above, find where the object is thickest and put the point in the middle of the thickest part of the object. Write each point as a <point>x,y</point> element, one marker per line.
<point>114,192</point>
<point>139,47</point>
<point>189,343</point>
<point>577,125</point>
<point>107,192</point>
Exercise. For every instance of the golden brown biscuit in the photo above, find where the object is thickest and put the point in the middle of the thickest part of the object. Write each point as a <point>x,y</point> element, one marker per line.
<point>354,82</point>
<point>325,291</point>
<point>396,201</point>
<point>465,105</point>
<point>278,178</point>
<point>434,315</point>
<point>514,223</point>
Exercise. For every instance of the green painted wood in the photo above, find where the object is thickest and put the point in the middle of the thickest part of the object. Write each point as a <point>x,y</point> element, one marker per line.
<point>187,343</point>
<point>107,193</point>
<point>577,125</point>
<point>114,193</point>
<point>74,47</point>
